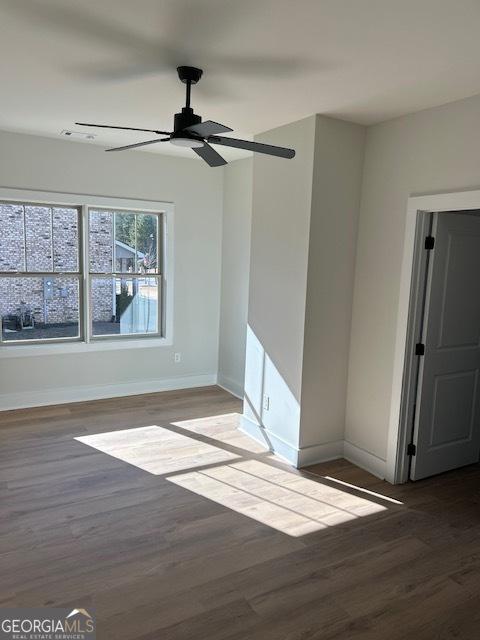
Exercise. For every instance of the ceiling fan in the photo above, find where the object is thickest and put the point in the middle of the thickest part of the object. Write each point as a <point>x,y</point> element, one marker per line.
<point>190,131</point>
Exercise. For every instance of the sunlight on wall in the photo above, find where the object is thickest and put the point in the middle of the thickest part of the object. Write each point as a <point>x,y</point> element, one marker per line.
<point>263,378</point>
<point>280,499</point>
<point>156,449</point>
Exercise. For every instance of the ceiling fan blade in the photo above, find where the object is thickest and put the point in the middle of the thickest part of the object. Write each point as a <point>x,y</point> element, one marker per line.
<point>210,156</point>
<point>138,144</point>
<point>208,128</point>
<point>258,147</point>
<point>109,126</point>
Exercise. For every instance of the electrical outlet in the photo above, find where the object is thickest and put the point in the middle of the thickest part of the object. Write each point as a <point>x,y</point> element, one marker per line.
<point>178,357</point>
<point>266,402</point>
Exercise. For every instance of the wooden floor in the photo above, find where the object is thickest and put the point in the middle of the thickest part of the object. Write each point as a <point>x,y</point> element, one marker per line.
<point>173,525</point>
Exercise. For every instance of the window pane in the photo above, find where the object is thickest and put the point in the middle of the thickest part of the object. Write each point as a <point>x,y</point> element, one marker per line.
<point>65,239</point>
<point>100,235</point>
<point>124,306</point>
<point>125,261</point>
<point>123,242</point>
<point>147,240</point>
<point>35,308</point>
<point>38,238</point>
<point>12,241</point>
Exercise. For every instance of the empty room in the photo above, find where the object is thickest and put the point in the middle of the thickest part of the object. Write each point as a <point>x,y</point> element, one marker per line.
<point>239,320</point>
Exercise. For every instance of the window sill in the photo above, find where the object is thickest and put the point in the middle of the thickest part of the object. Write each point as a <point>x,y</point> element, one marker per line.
<point>57,348</point>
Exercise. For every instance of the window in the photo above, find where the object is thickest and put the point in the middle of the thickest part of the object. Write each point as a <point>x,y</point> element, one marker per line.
<point>125,284</point>
<point>80,273</point>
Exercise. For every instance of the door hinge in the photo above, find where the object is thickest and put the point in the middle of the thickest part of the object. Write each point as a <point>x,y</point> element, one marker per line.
<point>411,449</point>
<point>419,349</point>
<point>429,243</point>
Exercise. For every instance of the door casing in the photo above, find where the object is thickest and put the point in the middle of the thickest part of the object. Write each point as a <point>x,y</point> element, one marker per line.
<point>409,318</point>
<point>450,355</point>
<point>421,259</point>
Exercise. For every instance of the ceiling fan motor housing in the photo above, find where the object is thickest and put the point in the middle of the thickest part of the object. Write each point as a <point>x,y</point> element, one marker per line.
<point>186,118</point>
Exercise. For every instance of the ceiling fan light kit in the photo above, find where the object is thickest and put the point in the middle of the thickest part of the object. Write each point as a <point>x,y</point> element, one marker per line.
<point>183,141</point>
<point>189,130</point>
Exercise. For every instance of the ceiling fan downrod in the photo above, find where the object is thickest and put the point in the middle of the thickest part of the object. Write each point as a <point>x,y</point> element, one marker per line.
<point>187,118</point>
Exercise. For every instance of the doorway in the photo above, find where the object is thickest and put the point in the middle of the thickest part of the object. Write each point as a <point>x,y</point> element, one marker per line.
<point>441,391</point>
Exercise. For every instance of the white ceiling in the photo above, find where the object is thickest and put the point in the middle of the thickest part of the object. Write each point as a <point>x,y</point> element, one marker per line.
<point>266,62</point>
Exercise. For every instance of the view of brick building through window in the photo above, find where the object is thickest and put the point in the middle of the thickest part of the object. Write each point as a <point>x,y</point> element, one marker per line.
<point>46,240</point>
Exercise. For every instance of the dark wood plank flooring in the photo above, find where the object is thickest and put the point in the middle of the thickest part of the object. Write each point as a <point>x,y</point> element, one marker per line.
<point>244,548</point>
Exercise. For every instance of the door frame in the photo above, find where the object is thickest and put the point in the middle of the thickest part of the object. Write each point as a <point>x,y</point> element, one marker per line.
<point>409,321</point>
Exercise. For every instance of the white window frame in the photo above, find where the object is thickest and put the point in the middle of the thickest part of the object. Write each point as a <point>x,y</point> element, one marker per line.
<point>114,274</point>
<point>87,342</point>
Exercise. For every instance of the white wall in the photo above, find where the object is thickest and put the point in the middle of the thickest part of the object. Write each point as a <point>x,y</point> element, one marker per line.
<point>278,281</point>
<point>304,231</point>
<point>338,164</point>
<point>30,162</point>
<point>237,219</point>
<point>428,152</point>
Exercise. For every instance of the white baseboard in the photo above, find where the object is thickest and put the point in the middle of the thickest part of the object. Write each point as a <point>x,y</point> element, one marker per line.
<point>315,454</point>
<point>365,460</point>
<point>232,386</point>
<point>293,455</point>
<point>320,453</point>
<point>63,395</point>
<point>270,440</point>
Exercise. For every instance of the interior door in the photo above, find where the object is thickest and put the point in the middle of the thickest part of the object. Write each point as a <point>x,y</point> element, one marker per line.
<point>447,417</point>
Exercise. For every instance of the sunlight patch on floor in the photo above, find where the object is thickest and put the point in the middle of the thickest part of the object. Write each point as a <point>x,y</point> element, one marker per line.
<point>280,499</point>
<point>156,449</point>
<point>225,429</point>
<point>375,494</point>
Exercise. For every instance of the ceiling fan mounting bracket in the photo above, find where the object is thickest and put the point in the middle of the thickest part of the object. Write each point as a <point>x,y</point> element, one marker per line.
<point>189,74</point>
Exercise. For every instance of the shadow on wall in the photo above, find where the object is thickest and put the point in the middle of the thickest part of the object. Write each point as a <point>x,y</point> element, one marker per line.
<point>271,411</point>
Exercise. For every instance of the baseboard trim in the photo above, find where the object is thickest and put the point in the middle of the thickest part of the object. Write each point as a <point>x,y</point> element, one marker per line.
<point>64,395</point>
<point>314,454</point>
<point>320,453</point>
<point>365,460</point>
<point>296,457</point>
<point>232,386</point>
<point>281,448</point>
